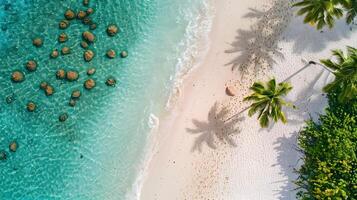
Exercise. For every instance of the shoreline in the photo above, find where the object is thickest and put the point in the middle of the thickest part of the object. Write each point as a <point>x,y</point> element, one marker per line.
<point>196,46</point>
<point>199,155</point>
<point>167,120</point>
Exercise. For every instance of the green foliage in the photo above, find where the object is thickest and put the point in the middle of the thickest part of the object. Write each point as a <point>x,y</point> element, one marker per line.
<point>324,12</point>
<point>345,70</point>
<point>351,11</point>
<point>330,147</point>
<point>268,102</point>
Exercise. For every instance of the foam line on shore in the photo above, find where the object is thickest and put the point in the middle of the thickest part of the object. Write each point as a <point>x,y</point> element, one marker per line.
<point>194,46</point>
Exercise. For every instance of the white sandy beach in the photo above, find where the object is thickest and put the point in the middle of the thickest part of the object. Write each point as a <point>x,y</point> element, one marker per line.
<point>199,155</point>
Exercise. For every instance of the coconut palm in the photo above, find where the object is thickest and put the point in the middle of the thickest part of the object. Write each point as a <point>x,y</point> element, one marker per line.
<point>267,101</point>
<point>345,70</point>
<point>324,12</point>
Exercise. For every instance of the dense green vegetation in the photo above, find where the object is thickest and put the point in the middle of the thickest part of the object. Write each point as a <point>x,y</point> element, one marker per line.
<point>324,12</point>
<point>330,145</point>
<point>345,71</point>
<point>268,102</point>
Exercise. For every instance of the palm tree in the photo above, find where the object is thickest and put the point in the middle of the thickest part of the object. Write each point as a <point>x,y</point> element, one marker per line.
<point>324,12</point>
<point>268,102</point>
<point>345,70</point>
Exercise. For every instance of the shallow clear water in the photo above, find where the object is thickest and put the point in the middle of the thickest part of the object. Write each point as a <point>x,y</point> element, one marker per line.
<point>95,154</point>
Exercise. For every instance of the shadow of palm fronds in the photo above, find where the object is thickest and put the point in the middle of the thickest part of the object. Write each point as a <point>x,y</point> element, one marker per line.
<point>215,129</point>
<point>258,47</point>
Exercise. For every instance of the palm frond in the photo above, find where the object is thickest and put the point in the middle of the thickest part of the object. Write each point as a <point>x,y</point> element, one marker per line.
<point>258,87</point>
<point>260,105</point>
<point>284,88</point>
<point>271,85</point>
<point>267,101</point>
<point>351,7</point>
<point>351,51</point>
<point>339,55</point>
<point>328,63</point>
<point>325,12</point>
<point>345,71</point>
<point>282,117</point>
<point>264,120</point>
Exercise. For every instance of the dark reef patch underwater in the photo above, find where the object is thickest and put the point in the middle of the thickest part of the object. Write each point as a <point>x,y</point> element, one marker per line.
<point>61,137</point>
<point>75,118</point>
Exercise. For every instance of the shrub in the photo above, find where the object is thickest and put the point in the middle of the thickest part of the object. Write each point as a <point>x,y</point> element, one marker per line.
<point>330,148</point>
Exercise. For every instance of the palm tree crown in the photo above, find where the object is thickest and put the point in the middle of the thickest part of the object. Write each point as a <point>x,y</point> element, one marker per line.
<point>324,12</point>
<point>267,101</point>
<point>345,70</point>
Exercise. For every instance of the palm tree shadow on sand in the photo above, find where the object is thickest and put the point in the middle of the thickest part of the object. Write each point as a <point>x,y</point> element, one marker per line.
<point>258,46</point>
<point>311,101</point>
<point>288,161</point>
<point>216,130</point>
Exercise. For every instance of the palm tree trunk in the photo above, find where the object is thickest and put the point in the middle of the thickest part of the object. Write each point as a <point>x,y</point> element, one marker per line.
<point>237,114</point>
<point>291,76</point>
<point>316,63</point>
<point>306,66</point>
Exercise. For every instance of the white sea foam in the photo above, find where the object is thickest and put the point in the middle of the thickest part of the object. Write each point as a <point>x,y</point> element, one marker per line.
<point>194,47</point>
<point>191,50</point>
<point>150,148</point>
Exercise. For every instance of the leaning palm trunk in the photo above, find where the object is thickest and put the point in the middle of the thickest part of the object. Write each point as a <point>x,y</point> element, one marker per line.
<point>311,63</point>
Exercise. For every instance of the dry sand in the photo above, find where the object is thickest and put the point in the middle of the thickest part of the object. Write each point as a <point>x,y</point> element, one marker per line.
<point>200,155</point>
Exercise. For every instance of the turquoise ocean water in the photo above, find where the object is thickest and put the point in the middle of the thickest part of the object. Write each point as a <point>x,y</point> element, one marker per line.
<point>98,151</point>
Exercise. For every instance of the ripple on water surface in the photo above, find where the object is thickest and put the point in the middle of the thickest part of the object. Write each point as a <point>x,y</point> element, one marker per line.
<point>71,160</point>
<point>94,153</point>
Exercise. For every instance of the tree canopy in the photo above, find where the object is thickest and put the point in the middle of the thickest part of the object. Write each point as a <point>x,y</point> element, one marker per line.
<point>267,101</point>
<point>321,13</point>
